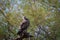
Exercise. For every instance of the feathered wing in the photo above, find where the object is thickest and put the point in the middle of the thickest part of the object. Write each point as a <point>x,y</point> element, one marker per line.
<point>25,25</point>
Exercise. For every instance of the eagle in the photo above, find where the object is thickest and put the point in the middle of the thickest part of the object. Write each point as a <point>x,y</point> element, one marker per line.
<point>24,25</point>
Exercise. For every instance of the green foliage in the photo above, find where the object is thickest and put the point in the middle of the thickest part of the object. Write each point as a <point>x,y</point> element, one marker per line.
<point>39,12</point>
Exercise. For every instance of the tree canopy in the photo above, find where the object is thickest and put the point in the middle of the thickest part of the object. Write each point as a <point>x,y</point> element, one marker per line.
<point>44,16</point>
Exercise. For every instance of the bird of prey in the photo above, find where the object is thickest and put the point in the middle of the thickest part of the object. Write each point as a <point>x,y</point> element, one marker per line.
<point>24,25</point>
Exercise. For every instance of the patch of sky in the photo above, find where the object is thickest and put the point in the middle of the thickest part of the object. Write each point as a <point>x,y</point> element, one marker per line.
<point>47,27</point>
<point>19,2</point>
<point>15,7</point>
<point>58,0</point>
<point>6,10</point>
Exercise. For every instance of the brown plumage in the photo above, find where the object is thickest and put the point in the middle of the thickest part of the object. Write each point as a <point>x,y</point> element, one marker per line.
<point>23,27</point>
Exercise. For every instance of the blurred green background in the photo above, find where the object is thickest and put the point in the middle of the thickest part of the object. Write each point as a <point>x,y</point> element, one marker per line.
<point>43,13</point>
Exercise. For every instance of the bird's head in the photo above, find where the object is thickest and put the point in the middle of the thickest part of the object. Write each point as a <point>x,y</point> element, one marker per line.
<point>24,18</point>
